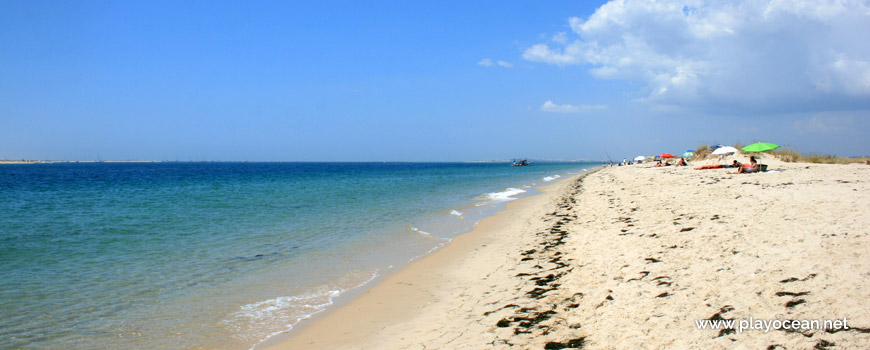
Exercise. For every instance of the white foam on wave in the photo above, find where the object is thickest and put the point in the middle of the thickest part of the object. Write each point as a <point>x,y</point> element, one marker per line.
<point>506,195</point>
<point>456,213</point>
<point>444,241</point>
<point>414,228</point>
<point>551,178</point>
<point>286,311</point>
<point>269,309</point>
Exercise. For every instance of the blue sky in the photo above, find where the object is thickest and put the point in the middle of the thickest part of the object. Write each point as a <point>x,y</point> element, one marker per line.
<point>428,81</point>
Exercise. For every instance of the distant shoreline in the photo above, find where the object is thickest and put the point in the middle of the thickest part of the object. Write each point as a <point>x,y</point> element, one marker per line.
<point>75,161</point>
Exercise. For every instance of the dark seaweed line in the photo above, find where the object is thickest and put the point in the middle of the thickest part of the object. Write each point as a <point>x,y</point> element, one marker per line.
<point>532,320</point>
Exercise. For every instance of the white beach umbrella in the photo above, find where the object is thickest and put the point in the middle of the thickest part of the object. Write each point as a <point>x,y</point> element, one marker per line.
<point>725,151</point>
<point>639,158</point>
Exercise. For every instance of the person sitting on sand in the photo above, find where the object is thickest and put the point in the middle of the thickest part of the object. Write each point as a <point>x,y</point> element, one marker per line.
<point>751,168</point>
<point>682,162</point>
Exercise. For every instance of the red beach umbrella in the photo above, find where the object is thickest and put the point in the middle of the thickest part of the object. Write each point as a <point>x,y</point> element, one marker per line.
<point>666,155</point>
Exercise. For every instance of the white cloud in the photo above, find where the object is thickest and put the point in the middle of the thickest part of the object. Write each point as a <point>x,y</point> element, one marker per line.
<point>774,54</point>
<point>487,62</point>
<point>543,53</point>
<point>560,37</point>
<point>549,106</point>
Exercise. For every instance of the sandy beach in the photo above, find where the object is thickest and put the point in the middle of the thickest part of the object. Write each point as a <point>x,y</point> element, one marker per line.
<point>634,257</point>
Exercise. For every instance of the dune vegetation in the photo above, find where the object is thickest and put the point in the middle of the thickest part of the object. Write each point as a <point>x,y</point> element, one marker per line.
<point>790,155</point>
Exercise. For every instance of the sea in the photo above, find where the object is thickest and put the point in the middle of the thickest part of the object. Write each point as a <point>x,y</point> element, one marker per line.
<point>221,255</point>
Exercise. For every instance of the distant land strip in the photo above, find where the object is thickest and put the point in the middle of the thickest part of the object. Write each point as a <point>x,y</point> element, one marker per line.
<point>25,161</point>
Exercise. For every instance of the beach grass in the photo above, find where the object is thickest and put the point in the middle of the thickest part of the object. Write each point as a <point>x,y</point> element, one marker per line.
<point>702,152</point>
<point>793,156</point>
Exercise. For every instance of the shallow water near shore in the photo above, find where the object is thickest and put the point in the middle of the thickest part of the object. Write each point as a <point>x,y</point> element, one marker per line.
<point>189,255</point>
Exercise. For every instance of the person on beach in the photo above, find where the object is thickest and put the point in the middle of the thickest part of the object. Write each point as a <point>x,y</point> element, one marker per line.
<point>714,166</point>
<point>736,164</point>
<point>751,168</point>
<point>682,162</point>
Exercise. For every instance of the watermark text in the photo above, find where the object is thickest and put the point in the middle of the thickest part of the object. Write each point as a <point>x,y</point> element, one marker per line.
<point>751,324</point>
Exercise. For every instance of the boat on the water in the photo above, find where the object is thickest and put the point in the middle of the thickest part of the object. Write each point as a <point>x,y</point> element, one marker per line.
<point>522,162</point>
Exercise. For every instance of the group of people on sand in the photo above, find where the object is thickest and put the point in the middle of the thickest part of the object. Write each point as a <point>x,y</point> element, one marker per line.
<point>624,162</point>
<point>681,162</point>
<point>751,167</point>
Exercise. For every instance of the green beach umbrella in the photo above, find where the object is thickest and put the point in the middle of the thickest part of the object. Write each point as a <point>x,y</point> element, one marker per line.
<point>760,147</point>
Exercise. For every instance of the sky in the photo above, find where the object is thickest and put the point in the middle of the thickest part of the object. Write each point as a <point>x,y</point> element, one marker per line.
<point>429,80</point>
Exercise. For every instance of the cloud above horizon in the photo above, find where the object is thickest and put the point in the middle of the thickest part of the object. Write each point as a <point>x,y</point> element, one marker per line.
<point>549,106</point>
<point>488,62</point>
<point>775,56</point>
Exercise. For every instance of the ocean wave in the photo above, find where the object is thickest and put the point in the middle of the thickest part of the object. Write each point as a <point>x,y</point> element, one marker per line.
<point>280,314</point>
<point>270,309</point>
<point>506,195</point>
<point>432,250</point>
<point>456,213</point>
<point>414,228</point>
<point>551,178</point>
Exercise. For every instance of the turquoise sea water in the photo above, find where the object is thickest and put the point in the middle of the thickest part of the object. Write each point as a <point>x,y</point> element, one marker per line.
<point>219,255</point>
